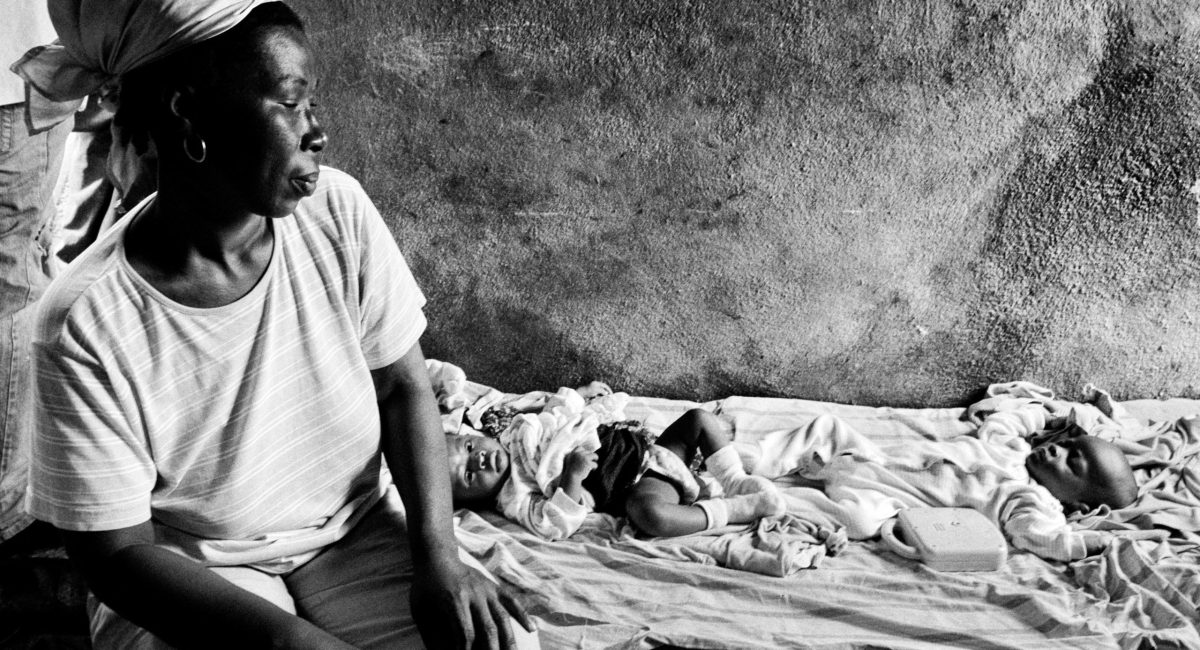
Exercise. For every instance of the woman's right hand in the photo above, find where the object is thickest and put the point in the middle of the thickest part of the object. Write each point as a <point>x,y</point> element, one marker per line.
<point>456,606</point>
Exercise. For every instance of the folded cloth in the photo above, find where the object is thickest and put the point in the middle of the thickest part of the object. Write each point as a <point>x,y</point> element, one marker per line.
<point>100,40</point>
<point>778,546</point>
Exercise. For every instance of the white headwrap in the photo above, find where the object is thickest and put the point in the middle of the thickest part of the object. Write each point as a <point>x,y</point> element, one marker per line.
<point>100,40</point>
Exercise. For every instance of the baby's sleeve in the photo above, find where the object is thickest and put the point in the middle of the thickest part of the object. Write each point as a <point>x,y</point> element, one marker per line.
<point>1013,427</point>
<point>1035,522</point>
<point>555,518</point>
<point>524,496</point>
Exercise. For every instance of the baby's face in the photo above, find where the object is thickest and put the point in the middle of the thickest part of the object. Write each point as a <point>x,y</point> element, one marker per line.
<point>478,466</point>
<point>1077,471</point>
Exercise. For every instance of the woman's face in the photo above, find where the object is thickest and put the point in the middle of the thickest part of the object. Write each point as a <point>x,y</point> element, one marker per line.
<point>262,135</point>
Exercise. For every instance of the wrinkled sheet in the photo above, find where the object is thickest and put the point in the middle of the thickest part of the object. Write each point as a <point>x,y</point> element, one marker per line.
<point>606,588</point>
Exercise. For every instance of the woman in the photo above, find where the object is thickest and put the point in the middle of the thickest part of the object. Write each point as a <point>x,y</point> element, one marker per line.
<point>207,440</point>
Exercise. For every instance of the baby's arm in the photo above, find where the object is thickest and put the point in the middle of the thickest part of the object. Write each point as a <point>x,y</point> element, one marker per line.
<point>1035,522</point>
<point>554,518</point>
<point>1016,423</point>
<point>550,454</point>
<point>576,467</point>
<point>532,455</point>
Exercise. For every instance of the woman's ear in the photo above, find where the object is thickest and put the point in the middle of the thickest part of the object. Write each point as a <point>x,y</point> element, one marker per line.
<point>181,103</point>
<point>175,103</point>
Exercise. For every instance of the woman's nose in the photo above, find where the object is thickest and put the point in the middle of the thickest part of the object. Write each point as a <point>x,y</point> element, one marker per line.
<point>315,141</point>
<point>316,138</point>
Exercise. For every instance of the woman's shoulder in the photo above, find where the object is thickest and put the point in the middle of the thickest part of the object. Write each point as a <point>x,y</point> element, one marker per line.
<point>338,202</point>
<point>85,289</point>
<point>334,178</point>
<point>336,186</point>
<point>336,221</point>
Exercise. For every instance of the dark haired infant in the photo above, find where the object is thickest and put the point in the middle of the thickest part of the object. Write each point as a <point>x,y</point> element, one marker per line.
<point>548,470</point>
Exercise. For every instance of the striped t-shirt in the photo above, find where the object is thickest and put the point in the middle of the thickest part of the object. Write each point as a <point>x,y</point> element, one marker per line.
<point>247,433</point>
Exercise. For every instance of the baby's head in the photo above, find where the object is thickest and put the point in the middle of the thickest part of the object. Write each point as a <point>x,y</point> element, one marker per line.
<point>1083,472</point>
<point>478,467</point>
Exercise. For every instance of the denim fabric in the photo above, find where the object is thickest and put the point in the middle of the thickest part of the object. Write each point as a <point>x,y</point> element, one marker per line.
<point>28,171</point>
<point>85,202</point>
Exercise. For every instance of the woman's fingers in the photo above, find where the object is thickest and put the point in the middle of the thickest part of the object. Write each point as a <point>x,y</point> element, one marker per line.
<point>462,609</point>
<point>516,610</point>
<point>501,635</point>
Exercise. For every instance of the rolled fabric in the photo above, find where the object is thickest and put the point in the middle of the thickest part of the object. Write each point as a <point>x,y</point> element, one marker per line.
<point>100,40</point>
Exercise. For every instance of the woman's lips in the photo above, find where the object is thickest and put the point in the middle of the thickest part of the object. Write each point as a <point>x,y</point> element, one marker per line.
<point>307,184</point>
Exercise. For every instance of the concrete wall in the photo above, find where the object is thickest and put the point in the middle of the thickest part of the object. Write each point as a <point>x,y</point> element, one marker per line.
<point>871,201</point>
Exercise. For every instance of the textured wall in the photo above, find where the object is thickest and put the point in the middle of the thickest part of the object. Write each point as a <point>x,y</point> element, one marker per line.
<point>877,202</point>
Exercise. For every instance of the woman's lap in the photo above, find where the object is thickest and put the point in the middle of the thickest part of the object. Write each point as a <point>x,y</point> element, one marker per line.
<point>356,589</point>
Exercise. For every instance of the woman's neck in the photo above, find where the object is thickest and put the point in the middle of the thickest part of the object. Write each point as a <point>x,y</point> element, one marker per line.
<point>197,249</point>
<point>195,228</point>
<point>195,211</point>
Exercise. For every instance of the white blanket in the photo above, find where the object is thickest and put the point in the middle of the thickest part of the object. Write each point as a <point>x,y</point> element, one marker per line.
<point>605,588</point>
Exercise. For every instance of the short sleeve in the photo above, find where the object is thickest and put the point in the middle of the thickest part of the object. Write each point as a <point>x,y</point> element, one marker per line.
<point>88,471</point>
<point>390,302</point>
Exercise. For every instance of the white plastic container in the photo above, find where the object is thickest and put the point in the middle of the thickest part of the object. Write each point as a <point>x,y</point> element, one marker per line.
<point>947,539</point>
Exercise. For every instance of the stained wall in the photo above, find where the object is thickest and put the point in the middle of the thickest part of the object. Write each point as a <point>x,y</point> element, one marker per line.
<point>874,201</point>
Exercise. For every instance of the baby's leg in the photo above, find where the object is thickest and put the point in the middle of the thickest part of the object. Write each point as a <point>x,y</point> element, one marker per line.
<point>699,429</point>
<point>695,429</point>
<point>654,507</point>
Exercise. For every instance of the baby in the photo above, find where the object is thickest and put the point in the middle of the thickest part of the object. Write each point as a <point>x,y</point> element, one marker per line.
<point>1083,472</point>
<point>549,470</point>
<point>1020,467</point>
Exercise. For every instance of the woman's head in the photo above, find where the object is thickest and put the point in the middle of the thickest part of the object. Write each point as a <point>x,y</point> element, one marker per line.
<point>233,114</point>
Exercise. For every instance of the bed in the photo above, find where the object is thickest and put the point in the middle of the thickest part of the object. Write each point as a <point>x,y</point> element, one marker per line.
<point>776,585</point>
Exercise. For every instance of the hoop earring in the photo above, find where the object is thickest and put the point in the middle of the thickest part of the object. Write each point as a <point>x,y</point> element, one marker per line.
<point>188,152</point>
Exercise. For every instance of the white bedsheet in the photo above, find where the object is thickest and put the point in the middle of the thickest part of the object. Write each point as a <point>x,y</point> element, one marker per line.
<point>604,588</point>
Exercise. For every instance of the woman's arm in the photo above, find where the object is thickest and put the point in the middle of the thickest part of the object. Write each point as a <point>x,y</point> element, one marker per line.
<point>181,601</point>
<point>451,606</point>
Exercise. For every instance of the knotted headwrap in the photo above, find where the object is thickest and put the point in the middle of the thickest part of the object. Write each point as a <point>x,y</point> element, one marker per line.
<point>100,40</point>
